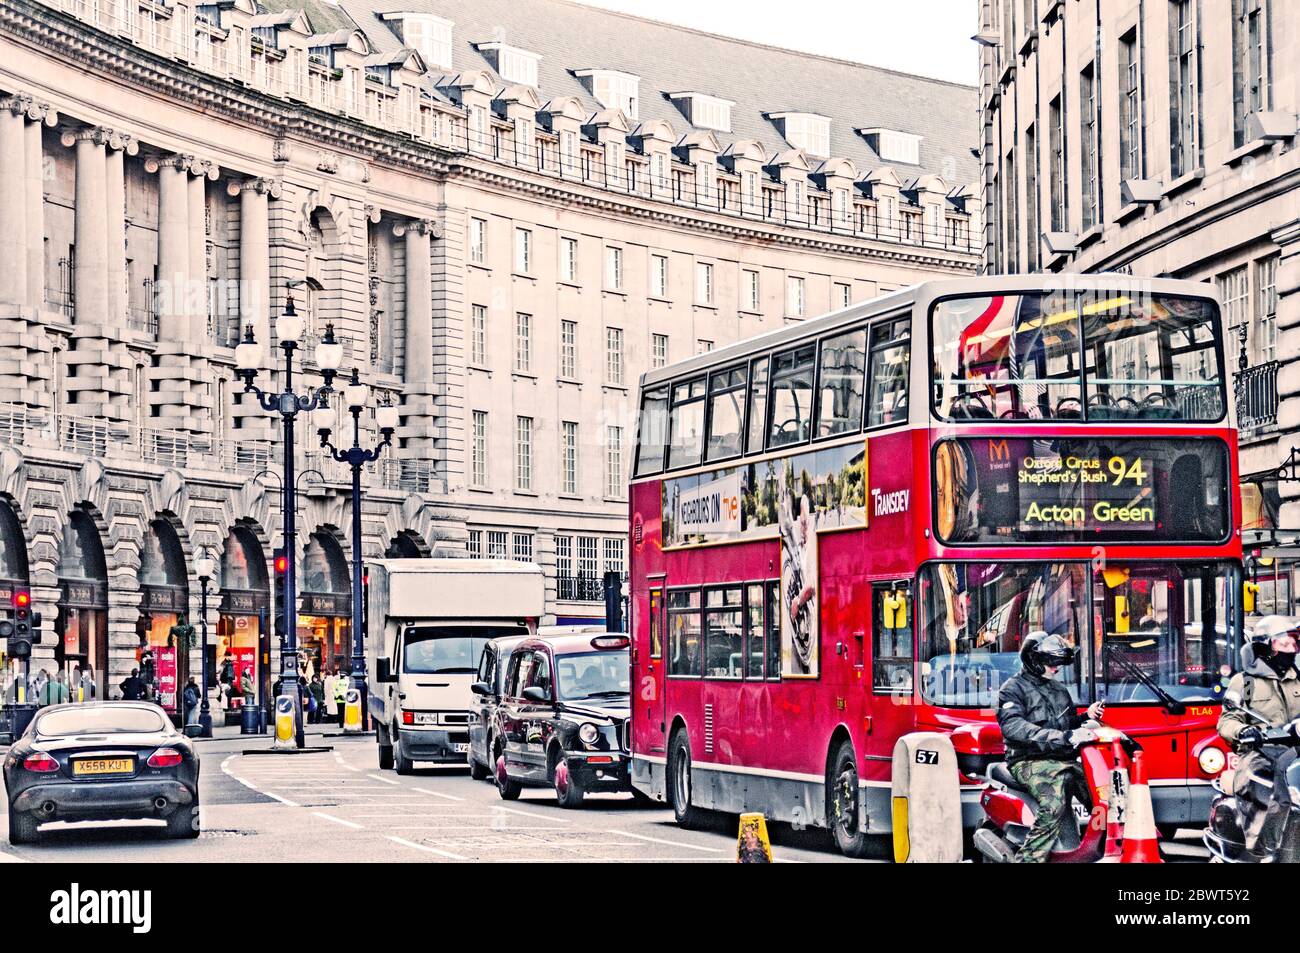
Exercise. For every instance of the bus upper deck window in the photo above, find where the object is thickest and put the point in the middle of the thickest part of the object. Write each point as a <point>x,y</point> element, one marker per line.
<point>890,361</point>
<point>686,424</point>
<point>841,380</point>
<point>757,405</point>
<point>792,393</point>
<point>652,436</point>
<point>726,413</point>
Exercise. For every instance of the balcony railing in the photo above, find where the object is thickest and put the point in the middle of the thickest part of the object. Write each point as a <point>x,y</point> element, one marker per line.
<point>1257,397</point>
<point>583,587</point>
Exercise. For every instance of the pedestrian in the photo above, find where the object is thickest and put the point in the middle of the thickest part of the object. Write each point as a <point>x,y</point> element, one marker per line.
<point>54,691</point>
<point>88,689</point>
<point>331,704</point>
<point>340,695</point>
<point>191,698</point>
<point>133,687</point>
<point>317,688</point>
<point>246,686</point>
<point>74,685</point>
<point>226,679</point>
<point>38,682</point>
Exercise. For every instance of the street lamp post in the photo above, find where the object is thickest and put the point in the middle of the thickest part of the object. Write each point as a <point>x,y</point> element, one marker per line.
<point>205,566</point>
<point>356,456</point>
<point>288,404</point>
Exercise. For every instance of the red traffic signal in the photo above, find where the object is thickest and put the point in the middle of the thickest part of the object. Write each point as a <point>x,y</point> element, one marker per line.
<point>281,565</point>
<point>22,599</point>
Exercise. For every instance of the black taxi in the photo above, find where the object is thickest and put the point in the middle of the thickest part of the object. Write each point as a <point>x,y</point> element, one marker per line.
<point>563,717</point>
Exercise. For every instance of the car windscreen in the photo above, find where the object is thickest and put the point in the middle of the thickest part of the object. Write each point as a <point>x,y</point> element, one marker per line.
<point>591,675</point>
<point>447,650</point>
<point>96,721</point>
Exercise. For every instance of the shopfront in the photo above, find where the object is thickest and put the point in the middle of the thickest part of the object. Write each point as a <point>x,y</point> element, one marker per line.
<point>163,631</point>
<point>81,624</point>
<point>243,619</point>
<point>325,606</point>
<point>13,578</point>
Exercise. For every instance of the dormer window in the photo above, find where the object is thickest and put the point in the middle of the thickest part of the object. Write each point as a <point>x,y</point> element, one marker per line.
<point>806,131</point>
<point>430,36</point>
<point>514,65</point>
<point>893,146</point>
<point>613,89</point>
<point>704,112</point>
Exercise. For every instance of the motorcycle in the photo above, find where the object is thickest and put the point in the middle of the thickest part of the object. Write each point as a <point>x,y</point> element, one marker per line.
<point>1096,795</point>
<point>1249,822</point>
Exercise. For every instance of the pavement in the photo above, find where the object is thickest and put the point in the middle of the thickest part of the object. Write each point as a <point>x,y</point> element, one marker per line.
<point>338,805</point>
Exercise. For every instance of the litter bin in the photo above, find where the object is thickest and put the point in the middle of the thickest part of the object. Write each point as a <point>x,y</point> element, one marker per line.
<point>20,716</point>
<point>250,720</point>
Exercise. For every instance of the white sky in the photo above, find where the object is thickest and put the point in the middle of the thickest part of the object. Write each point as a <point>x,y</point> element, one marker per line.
<point>929,37</point>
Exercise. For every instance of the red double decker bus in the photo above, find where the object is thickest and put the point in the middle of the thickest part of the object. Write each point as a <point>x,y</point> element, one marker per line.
<point>841,531</point>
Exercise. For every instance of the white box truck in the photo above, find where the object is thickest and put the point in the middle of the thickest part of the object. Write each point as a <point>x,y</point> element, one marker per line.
<point>428,621</point>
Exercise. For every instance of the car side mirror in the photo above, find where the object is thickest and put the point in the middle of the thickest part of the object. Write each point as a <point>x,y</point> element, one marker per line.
<point>534,694</point>
<point>481,688</point>
<point>384,670</point>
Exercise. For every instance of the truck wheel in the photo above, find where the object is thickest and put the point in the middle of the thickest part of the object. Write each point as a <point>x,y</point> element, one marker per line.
<point>679,783</point>
<point>22,827</point>
<point>385,748</point>
<point>568,791</point>
<point>401,763</point>
<point>842,803</point>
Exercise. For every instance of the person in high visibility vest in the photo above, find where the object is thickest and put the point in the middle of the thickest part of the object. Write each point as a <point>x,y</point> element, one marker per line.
<point>340,695</point>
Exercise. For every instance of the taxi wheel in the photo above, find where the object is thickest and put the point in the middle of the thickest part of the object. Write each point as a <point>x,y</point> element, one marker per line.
<point>679,783</point>
<point>22,827</point>
<point>842,796</point>
<point>568,791</point>
<point>509,790</point>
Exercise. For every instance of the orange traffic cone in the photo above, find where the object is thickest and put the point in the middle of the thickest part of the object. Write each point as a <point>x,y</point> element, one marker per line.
<point>1140,843</point>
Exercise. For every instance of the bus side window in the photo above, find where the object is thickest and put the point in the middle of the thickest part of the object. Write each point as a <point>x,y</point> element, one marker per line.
<point>757,405</point>
<point>891,641</point>
<point>890,351</point>
<point>656,623</point>
<point>773,632</point>
<point>754,655</point>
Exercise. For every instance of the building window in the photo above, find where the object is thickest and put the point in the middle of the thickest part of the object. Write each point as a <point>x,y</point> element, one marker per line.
<point>843,295</point>
<point>568,152</point>
<point>498,544</point>
<point>614,488</point>
<point>1234,294</point>
<point>703,181</point>
<point>478,456</point>
<point>1056,160</point>
<point>1266,289</point>
<point>808,132</point>
<point>613,555</point>
<point>523,251</point>
<point>523,342</point>
<point>474,546</point>
<point>1250,64</point>
<point>1088,146</point>
<point>523,552</point>
<point>752,300</point>
<point>1032,223</point>
<point>478,241</point>
<point>703,283</point>
<point>658,350</point>
<point>523,453</point>
<point>794,297</point>
<point>478,334</point>
<point>659,276</point>
<point>1130,107</point>
<point>1184,90</point>
<point>614,268</point>
<point>614,356</point>
<point>1012,211</point>
<point>703,346</point>
<point>569,349</point>
<point>568,259</point>
<point>569,457</point>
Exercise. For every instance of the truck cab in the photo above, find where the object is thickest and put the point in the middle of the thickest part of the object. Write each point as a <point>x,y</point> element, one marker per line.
<point>429,621</point>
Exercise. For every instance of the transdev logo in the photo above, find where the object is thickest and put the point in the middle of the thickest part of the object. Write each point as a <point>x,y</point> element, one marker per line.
<point>887,504</point>
<point>74,907</point>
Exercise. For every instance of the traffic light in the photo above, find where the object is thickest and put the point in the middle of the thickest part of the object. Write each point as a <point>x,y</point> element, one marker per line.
<point>281,564</point>
<point>18,631</point>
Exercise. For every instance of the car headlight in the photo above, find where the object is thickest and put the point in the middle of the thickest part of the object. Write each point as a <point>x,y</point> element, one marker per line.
<point>1212,759</point>
<point>588,733</point>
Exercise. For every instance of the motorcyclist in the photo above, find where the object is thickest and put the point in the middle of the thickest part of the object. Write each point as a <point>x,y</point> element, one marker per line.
<point>1041,728</point>
<point>1269,685</point>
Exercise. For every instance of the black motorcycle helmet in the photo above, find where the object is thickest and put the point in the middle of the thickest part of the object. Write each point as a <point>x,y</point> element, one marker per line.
<point>1040,650</point>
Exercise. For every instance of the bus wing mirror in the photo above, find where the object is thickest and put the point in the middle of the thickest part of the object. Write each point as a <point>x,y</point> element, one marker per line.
<point>481,688</point>
<point>895,607</point>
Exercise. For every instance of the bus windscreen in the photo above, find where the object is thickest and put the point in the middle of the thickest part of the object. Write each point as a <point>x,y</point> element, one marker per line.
<point>1023,489</point>
<point>1083,356</point>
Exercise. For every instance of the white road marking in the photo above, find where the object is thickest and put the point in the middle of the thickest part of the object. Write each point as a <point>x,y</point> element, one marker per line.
<point>449,797</point>
<point>282,800</point>
<point>338,820</point>
<point>670,843</point>
<point>432,850</point>
<point>540,817</point>
<point>380,777</point>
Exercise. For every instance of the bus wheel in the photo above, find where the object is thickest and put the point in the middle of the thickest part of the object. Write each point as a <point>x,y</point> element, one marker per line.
<point>679,782</point>
<point>842,814</point>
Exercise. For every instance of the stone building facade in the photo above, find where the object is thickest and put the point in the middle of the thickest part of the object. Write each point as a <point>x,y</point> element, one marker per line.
<point>505,211</point>
<point>1158,138</point>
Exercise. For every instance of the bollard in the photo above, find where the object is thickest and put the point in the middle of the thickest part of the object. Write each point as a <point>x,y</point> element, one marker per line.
<point>352,712</point>
<point>286,729</point>
<point>752,844</point>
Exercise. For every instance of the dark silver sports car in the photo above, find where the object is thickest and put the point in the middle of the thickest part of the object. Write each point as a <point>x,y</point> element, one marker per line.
<point>101,761</point>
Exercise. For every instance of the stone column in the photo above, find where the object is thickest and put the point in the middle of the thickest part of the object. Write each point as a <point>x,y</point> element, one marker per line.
<point>1287,238</point>
<point>90,215</point>
<point>418,411</point>
<point>173,246</point>
<point>115,200</point>
<point>254,287</point>
<point>13,202</point>
<point>35,190</point>
<point>197,238</point>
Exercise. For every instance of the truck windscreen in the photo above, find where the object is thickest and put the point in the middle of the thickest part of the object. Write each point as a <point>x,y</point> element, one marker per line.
<point>448,650</point>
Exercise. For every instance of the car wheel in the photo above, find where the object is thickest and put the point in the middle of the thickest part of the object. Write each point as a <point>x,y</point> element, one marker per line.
<point>568,790</point>
<point>401,763</point>
<point>22,827</point>
<point>477,770</point>
<point>385,748</point>
<point>679,783</point>
<point>842,800</point>
<point>508,789</point>
<point>184,822</point>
